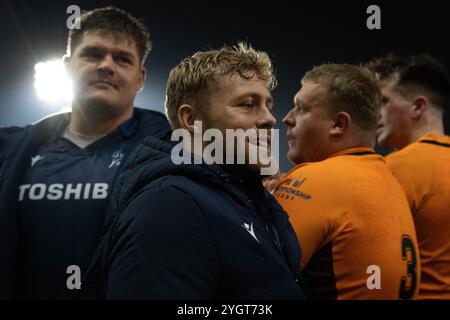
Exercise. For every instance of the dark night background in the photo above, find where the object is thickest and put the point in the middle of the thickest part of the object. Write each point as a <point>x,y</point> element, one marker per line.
<point>297,34</point>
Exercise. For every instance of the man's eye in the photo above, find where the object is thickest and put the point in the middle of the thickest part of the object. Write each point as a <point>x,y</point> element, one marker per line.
<point>384,100</point>
<point>92,54</point>
<point>124,60</point>
<point>247,104</point>
<point>301,110</point>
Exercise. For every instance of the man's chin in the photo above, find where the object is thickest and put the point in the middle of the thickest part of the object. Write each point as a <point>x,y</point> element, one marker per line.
<point>294,158</point>
<point>265,163</point>
<point>98,102</point>
<point>290,156</point>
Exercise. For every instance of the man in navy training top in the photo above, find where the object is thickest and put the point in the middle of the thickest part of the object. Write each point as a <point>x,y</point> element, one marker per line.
<point>56,175</point>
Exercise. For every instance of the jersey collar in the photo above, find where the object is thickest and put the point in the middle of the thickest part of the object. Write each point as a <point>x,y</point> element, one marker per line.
<point>358,151</point>
<point>432,138</point>
<point>127,129</point>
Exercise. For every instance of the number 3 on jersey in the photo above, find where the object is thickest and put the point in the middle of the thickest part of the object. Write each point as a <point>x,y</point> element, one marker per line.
<point>409,281</point>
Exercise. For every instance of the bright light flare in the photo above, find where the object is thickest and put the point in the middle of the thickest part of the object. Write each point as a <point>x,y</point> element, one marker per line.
<point>52,83</point>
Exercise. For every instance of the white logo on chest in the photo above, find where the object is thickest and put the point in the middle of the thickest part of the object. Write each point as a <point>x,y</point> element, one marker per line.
<point>249,228</point>
<point>117,158</point>
<point>59,191</point>
<point>35,159</point>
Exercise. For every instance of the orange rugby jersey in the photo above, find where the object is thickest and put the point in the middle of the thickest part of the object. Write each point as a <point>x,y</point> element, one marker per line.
<point>423,169</point>
<point>354,226</point>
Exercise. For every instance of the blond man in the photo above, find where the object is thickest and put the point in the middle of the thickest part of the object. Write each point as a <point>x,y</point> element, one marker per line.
<point>204,231</point>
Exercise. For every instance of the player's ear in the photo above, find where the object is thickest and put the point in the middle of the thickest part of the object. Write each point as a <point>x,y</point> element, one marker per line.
<point>419,105</point>
<point>66,61</point>
<point>342,122</point>
<point>142,77</point>
<point>187,117</point>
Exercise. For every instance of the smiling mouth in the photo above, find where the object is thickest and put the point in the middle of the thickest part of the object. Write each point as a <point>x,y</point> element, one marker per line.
<point>290,140</point>
<point>261,143</point>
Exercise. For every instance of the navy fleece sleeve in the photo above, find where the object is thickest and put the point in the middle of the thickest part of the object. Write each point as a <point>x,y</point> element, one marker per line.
<point>161,248</point>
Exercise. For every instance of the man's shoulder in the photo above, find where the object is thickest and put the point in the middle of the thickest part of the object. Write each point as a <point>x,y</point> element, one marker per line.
<point>49,122</point>
<point>203,191</point>
<point>148,115</point>
<point>419,163</point>
<point>152,122</point>
<point>171,186</point>
<point>174,195</point>
<point>10,135</point>
<point>327,171</point>
<point>174,183</point>
<point>12,130</point>
<point>151,112</point>
<point>335,178</point>
<point>318,184</point>
<point>415,155</point>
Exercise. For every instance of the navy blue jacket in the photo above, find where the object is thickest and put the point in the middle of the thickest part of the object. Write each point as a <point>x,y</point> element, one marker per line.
<point>17,146</point>
<point>196,232</point>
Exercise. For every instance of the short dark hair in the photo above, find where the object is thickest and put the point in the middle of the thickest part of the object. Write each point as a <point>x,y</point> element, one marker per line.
<point>111,20</point>
<point>418,71</point>
<point>349,88</point>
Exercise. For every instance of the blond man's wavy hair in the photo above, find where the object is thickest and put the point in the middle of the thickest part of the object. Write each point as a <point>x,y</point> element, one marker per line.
<point>195,77</point>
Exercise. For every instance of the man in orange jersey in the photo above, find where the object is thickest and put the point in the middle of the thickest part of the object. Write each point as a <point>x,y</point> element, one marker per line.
<point>415,93</point>
<point>350,213</point>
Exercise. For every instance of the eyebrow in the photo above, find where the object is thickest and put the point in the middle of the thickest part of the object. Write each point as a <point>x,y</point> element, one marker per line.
<point>102,48</point>
<point>255,95</point>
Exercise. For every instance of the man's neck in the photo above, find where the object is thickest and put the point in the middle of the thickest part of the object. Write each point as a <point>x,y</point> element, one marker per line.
<point>356,140</point>
<point>233,169</point>
<point>94,124</point>
<point>82,141</point>
<point>432,127</point>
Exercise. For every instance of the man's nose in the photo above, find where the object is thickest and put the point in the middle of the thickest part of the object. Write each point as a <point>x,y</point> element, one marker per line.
<point>288,120</point>
<point>266,119</point>
<point>106,66</point>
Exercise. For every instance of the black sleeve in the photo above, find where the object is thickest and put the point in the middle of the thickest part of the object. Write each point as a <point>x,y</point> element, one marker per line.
<point>161,248</point>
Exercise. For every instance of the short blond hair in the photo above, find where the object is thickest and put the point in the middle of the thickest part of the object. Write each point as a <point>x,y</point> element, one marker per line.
<point>350,88</point>
<point>194,77</point>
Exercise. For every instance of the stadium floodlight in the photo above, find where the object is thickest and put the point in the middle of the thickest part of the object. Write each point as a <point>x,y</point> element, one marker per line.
<point>52,83</point>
